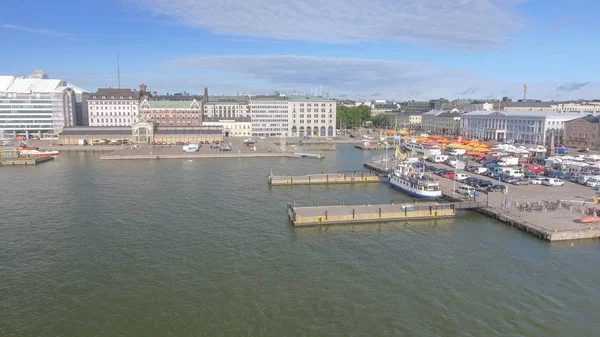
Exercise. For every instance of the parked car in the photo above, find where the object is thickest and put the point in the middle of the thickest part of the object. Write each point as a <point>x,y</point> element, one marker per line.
<point>521,181</point>
<point>496,188</point>
<point>461,176</point>
<point>448,175</point>
<point>482,183</point>
<point>471,181</point>
<point>553,182</point>
<point>536,181</point>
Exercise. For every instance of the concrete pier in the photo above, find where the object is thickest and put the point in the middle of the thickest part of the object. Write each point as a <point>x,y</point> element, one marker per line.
<point>349,214</point>
<point>195,155</point>
<point>373,147</point>
<point>324,179</point>
<point>24,161</point>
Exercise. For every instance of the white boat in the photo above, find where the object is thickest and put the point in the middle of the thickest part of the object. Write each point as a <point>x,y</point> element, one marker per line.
<point>33,152</point>
<point>425,150</point>
<point>413,182</point>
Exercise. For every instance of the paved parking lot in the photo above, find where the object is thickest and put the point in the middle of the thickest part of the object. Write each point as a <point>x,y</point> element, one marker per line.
<point>561,219</point>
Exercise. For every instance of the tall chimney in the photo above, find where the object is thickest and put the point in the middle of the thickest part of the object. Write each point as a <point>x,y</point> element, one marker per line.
<point>205,95</point>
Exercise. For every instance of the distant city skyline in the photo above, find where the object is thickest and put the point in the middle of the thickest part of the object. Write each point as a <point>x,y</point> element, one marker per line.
<point>397,50</point>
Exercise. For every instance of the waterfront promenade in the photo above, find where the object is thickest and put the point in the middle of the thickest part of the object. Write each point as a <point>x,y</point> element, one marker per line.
<point>554,225</point>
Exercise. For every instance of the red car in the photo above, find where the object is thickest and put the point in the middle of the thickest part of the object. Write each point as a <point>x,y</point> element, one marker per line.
<point>449,175</point>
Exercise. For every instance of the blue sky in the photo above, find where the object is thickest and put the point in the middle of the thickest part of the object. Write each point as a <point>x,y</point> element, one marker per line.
<point>396,49</point>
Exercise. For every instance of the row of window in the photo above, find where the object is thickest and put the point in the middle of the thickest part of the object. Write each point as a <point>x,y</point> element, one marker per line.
<point>38,111</point>
<point>25,106</point>
<point>111,108</point>
<point>11,116</point>
<point>113,97</point>
<point>26,126</point>
<point>111,120</point>
<point>172,116</point>
<point>110,113</point>
<point>114,103</point>
<point>25,101</point>
<point>308,121</point>
<point>310,110</point>
<point>27,121</point>
<point>316,116</point>
<point>315,104</point>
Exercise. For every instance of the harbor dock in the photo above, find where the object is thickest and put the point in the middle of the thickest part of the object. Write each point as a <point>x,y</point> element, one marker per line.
<point>325,178</point>
<point>196,155</point>
<point>24,161</point>
<point>350,214</point>
<point>562,223</point>
<point>373,147</point>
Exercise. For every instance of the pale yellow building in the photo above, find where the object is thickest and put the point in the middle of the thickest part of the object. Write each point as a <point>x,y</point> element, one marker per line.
<point>415,119</point>
<point>232,127</point>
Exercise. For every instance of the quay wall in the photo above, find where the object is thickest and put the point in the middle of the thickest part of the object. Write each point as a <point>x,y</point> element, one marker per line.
<point>24,161</point>
<point>324,179</point>
<point>196,155</point>
<point>371,217</point>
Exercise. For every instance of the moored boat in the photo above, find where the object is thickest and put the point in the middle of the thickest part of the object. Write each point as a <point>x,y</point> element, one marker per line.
<point>413,182</point>
<point>34,152</point>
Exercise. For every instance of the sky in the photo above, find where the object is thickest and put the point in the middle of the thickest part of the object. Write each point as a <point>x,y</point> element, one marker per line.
<point>352,49</point>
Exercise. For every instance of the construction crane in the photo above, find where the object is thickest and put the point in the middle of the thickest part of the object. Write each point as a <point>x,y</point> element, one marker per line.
<point>524,92</point>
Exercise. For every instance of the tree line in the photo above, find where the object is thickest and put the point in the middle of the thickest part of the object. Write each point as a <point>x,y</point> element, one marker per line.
<point>349,117</point>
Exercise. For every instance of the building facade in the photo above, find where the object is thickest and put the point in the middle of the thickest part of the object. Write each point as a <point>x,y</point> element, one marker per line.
<point>141,133</point>
<point>415,107</point>
<point>532,127</point>
<point>113,107</point>
<point>171,112</point>
<point>583,133</point>
<point>590,107</point>
<point>227,107</point>
<point>428,120</point>
<point>312,116</point>
<point>232,127</point>
<point>529,105</point>
<point>477,106</point>
<point>415,119</point>
<point>447,123</point>
<point>270,116</point>
<point>35,106</point>
<point>379,108</point>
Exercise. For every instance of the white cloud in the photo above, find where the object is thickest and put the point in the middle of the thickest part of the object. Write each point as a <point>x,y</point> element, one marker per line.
<point>47,32</point>
<point>449,23</point>
<point>339,75</point>
<point>351,77</point>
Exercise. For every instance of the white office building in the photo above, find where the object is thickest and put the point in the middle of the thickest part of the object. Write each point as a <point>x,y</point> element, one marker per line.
<point>530,126</point>
<point>36,106</point>
<point>113,107</point>
<point>226,107</point>
<point>312,116</point>
<point>270,116</point>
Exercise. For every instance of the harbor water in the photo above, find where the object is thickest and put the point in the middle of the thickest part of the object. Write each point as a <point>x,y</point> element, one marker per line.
<point>92,247</point>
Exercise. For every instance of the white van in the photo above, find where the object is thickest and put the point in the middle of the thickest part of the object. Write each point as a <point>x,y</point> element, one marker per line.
<point>481,170</point>
<point>461,176</point>
<point>553,182</point>
<point>466,190</point>
<point>585,178</point>
<point>192,147</point>
<point>593,182</point>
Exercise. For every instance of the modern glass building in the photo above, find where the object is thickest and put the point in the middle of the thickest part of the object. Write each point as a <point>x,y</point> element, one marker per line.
<point>36,107</point>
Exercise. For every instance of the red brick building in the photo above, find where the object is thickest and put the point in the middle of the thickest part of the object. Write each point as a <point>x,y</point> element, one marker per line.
<point>171,113</point>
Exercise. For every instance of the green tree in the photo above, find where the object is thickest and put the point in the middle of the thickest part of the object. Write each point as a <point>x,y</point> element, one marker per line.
<point>379,121</point>
<point>352,116</point>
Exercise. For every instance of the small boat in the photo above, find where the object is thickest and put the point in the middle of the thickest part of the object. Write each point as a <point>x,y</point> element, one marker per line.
<point>36,153</point>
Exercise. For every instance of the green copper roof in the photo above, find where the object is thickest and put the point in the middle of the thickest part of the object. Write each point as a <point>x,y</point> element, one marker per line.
<point>308,98</point>
<point>170,104</point>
